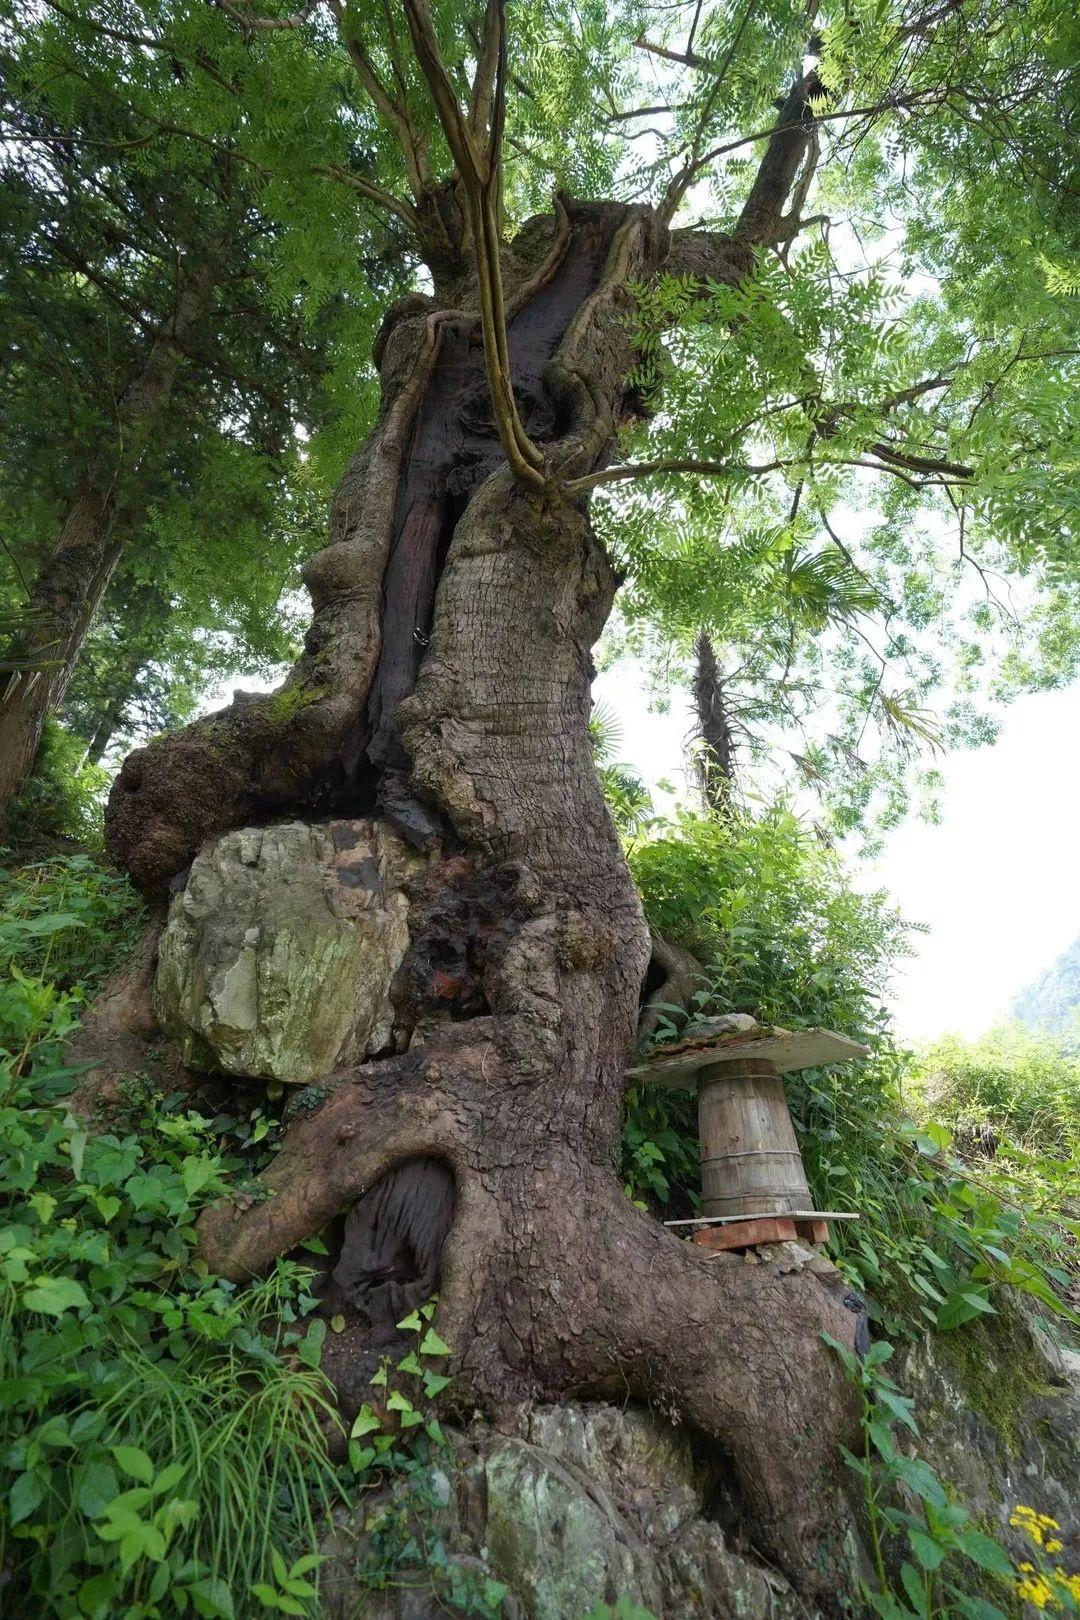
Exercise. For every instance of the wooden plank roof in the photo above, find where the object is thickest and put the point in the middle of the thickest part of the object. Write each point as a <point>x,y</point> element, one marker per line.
<point>787,1048</point>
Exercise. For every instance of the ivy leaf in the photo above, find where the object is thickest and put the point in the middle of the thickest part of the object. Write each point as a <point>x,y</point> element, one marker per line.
<point>198,1172</point>
<point>432,1345</point>
<point>411,1323</point>
<point>365,1422</point>
<point>310,1347</point>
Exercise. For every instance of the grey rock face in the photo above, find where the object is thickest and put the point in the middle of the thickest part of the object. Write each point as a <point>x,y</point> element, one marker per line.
<point>589,1504</point>
<point>998,1405</point>
<point>278,956</point>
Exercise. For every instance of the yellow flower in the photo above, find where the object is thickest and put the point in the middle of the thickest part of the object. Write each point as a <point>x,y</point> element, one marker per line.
<point>1054,1546</point>
<point>1034,1590</point>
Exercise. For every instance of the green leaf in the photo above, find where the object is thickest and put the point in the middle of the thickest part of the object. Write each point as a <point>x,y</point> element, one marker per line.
<point>212,1597</point>
<point>928,1552</point>
<point>198,1172</point>
<point>914,1586</point>
<point>432,1345</point>
<point>435,1383</point>
<point>962,1306</point>
<point>96,1596</point>
<point>411,1323</point>
<point>974,1608</point>
<point>899,1405</point>
<point>27,1493</point>
<point>365,1422</point>
<point>133,1462</point>
<point>52,1296</point>
<point>95,1488</point>
<point>398,1402</point>
<point>310,1347</point>
<point>919,1477</point>
<point>305,1565</point>
<point>986,1552</point>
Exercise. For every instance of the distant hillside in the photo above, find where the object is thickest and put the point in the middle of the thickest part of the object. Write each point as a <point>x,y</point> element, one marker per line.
<point>1052,1001</point>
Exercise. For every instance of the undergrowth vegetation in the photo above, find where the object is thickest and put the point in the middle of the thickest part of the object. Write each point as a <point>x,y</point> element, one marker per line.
<point>766,908</point>
<point>162,1431</point>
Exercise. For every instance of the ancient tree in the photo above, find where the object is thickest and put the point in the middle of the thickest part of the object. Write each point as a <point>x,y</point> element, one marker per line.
<point>444,691</point>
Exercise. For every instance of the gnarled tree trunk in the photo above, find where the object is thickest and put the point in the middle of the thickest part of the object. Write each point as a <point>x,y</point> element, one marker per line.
<point>446,686</point>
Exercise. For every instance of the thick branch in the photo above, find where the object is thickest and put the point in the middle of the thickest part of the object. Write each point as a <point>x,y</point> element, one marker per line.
<point>479,169</point>
<point>249,22</point>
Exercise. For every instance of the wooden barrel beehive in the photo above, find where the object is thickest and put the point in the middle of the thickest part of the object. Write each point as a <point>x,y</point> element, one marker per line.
<point>750,1159</point>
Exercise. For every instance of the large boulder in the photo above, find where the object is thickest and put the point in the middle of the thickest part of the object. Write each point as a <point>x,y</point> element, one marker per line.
<point>279,953</point>
<point>588,1505</point>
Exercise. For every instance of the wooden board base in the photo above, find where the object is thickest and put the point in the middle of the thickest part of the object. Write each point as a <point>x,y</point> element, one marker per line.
<point>762,1229</point>
<point>744,1234</point>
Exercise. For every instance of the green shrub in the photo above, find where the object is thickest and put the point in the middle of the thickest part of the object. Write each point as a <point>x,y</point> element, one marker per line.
<point>63,797</point>
<point>161,1431</point>
<point>1010,1083</point>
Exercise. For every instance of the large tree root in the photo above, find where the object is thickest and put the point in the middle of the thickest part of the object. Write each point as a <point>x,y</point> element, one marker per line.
<point>554,1283</point>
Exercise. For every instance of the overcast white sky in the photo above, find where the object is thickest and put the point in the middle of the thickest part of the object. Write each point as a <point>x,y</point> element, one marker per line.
<point>998,881</point>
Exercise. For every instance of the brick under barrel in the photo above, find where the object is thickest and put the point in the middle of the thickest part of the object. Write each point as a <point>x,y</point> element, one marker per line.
<point>750,1159</point>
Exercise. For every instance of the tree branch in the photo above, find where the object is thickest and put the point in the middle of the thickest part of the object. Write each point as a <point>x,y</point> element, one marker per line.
<point>478,166</point>
<point>249,22</point>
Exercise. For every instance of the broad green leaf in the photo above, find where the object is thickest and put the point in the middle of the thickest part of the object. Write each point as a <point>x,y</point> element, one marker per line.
<point>134,1462</point>
<point>52,1296</point>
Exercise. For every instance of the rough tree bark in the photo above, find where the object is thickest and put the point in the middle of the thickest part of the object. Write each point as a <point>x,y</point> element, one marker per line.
<point>445,685</point>
<point>65,596</point>
<point>715,761</point>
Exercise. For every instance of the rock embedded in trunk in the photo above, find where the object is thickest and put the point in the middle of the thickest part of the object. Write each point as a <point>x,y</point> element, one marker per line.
<point>279,953</point>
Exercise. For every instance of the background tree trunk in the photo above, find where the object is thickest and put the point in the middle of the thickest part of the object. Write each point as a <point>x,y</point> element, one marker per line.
<point>714,760</point>
<point>446,685</point>
<point>68,590</point>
